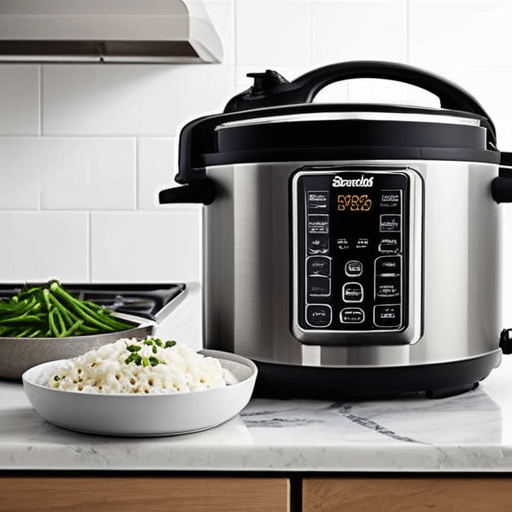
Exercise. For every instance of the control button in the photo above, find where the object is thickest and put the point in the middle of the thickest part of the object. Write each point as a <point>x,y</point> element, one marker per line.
<point>319,286</point>
<point>389,245</point>
<point>391,199</point>
<point>319,266</point>
<point>318,315</point>
<point>352,316</point>
<point>318,244</point>
<point>388,266</point>
<point>390,223</point>
<point>353,268</point>
<point>362,243</point>
<point>352,292</point>
<point>343,244</point>
<point>387,288</point>
<point>318,200</point>
<point>318,223</point>
<point>388,316</point>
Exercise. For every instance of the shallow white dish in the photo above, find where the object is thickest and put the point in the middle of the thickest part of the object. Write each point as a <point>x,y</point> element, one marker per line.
<point>143,415</point>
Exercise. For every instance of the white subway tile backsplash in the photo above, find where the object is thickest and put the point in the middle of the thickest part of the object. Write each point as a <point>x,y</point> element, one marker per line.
<point>471,33</point>
<point>156,168</point>
<point>19,99</point>
<point>199,91</point>
<point>375,91</point>
<point>133,100</point>
<point>358,30</point>
<point>87,173</point>
<point>19,173</point>
<point>41,245</point>
<point>106,100</point>
<point>67,173</point>
<point>271,33</point>
<point>389,92</point>
<point>146,246</point>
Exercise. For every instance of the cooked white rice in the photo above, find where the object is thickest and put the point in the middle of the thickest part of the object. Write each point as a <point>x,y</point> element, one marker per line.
<point>175,369</point>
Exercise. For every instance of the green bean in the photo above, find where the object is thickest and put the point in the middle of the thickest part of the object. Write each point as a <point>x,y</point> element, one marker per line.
<point>24,333</point>
<point>73,303</point>
<point>21,320</point>
<point>50,311</point>
<point>29,291</point>
<point>46,300</point>
<point>68,316</point>
<point>7,307</point>
<point>82,310</point>
<point>105,317</point>
<point>86,329</point>
<point>23,307</point>
<point>53,327</point>
<point>73,328</point>
<point>59,323</point>
<point>95,307</point>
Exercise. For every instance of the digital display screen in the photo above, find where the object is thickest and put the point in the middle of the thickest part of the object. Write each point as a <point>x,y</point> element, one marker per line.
<point>354,203</point>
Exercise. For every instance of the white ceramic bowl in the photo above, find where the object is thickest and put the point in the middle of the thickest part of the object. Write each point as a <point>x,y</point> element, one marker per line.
<point>143,415</point>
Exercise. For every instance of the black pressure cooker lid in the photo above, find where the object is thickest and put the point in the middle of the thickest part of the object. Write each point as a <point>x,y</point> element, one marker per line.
<point>276,121</point>
<point>350,132</point>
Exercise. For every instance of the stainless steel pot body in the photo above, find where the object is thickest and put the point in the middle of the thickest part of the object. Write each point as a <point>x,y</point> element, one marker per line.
<point>249,243</point>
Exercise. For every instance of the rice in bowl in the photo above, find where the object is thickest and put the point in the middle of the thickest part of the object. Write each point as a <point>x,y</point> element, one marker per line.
<point>131,366</point>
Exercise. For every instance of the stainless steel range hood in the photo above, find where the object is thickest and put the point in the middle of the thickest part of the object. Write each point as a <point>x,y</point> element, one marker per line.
<point>137,31</point>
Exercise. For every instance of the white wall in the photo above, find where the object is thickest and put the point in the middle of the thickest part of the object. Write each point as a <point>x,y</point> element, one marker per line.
<point>85,148</point>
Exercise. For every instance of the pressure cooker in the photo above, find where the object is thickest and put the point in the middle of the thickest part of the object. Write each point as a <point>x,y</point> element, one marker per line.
<point>350,250</point>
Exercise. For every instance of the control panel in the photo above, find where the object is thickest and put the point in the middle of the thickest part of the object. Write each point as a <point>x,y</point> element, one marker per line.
<point>352,251</point>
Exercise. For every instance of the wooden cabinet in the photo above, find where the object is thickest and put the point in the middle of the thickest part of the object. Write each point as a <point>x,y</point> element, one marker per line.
<point>145,493</point>
<point>299,493</point>
<point>403,494</point>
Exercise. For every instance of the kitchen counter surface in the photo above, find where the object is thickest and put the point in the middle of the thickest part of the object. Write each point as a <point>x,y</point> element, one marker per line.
<point>471,432</point>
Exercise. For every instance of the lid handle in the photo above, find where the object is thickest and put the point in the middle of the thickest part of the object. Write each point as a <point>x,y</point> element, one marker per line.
<point>271,89</point>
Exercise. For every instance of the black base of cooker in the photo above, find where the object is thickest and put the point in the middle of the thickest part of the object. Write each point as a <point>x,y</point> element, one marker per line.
<point>439,380</point>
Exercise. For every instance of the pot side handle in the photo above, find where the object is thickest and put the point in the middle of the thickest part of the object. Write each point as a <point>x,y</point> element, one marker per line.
<point>501,187</point>
<point>198,191</point>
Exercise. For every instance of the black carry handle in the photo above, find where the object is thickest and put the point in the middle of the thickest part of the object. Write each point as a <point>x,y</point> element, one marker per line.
<point>271,89</point>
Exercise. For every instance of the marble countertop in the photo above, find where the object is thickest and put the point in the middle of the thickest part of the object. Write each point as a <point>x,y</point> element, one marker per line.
<point>471,432</point>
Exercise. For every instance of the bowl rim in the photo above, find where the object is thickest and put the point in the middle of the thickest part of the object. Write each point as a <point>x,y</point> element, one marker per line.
<point>222,356</point>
